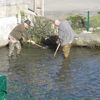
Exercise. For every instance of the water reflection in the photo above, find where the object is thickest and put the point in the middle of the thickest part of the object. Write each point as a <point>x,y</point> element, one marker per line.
<point>64,71</point>
<point>37,75</point>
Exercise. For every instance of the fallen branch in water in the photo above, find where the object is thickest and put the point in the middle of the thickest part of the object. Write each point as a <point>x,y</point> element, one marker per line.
<point>30,41</point>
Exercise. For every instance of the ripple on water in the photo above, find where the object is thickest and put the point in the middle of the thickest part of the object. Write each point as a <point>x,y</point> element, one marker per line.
<point>37,75</point>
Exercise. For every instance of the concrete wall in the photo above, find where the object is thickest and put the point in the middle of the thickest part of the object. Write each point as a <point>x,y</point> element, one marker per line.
<point>12,7</point>
<point>6,25</point>
<point>39,7</point>
<point>6,11</point>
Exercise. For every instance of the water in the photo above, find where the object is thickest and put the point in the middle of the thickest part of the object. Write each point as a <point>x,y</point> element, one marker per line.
<point>37,75</point>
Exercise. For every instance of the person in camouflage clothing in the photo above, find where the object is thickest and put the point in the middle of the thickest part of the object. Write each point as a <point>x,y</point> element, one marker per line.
<point>18,34</point>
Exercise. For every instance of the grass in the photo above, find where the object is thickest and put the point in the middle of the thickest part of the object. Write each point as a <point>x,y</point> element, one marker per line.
<point>95,21</point>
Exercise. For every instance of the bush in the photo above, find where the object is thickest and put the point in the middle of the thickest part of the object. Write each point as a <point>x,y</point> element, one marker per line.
<point>77,21</point>
<point>95,21</point>
<point>42,28</point>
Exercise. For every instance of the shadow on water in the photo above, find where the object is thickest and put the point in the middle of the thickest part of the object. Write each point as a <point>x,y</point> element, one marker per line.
<point>37,75</point>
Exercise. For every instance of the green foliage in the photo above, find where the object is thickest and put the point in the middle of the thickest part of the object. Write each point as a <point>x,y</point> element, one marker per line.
<point>42,28</point>
<point>95,21</point>
<point>77,21</point>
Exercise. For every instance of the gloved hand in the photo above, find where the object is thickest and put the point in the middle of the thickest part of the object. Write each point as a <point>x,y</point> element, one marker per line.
<point>58,41</point>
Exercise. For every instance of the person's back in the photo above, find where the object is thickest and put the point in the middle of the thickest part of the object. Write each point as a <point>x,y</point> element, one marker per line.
<point>66,36</point>
<point>18,31</point>
<point>66,33</point>
<point>17,34</point>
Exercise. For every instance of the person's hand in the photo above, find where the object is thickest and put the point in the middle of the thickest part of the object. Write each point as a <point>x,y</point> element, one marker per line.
<point>58,41</point>
<point>12,39</point>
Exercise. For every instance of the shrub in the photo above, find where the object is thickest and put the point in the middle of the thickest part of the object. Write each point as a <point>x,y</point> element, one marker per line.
<point>42,28</point>
<point>77,21</point>
<point>95,21</point>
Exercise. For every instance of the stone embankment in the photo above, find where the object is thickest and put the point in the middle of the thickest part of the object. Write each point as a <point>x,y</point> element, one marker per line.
<point>87,39</point>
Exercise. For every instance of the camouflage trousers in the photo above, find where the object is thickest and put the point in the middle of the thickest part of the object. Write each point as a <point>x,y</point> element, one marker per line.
<point>66,50</point>
<point>14,44</point>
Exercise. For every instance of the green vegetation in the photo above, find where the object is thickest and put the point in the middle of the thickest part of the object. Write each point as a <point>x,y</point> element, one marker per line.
<point>42,28</point>
<point>95,21</point>
<point>79,23</point>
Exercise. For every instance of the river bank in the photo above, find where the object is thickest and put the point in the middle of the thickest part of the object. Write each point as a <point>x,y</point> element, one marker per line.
<point>83,39</point>
<point>87,39</point>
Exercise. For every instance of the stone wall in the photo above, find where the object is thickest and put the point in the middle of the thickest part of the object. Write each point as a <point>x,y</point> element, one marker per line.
<point>6,11</point>
<point>39,7</point>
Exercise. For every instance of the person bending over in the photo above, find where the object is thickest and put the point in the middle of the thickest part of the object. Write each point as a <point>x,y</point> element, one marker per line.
<point>18,34</point>
<point>66,36</point>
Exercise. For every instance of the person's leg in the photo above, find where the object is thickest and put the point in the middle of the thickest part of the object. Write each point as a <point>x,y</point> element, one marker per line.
<point>11,48</point>
<point>66,50</point>
<point>18,47</point>
<point>12,44</point>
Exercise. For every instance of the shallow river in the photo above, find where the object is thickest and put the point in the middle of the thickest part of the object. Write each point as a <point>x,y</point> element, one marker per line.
<point>37,75</point>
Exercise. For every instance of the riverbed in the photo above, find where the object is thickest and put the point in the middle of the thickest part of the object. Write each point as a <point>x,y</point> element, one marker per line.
<point>37,75</point>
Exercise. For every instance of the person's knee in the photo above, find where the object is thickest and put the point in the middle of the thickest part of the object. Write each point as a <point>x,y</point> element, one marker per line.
<point>66,51</point>
<point>66,54</point>
<point>18,50</point>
